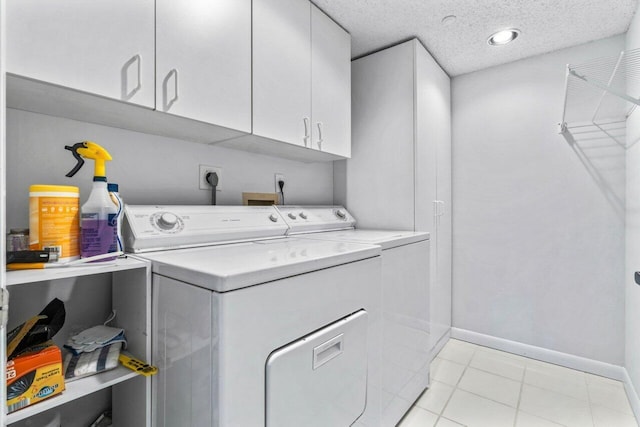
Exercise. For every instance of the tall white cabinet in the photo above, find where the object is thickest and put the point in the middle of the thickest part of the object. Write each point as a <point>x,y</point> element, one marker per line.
<point>399,176</point>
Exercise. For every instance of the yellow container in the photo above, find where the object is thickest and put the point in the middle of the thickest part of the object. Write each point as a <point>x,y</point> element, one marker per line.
<point>54,225</point>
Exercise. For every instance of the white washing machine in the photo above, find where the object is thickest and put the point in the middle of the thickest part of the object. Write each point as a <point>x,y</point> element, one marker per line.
<point>252,328</point>
<point>405,303</point>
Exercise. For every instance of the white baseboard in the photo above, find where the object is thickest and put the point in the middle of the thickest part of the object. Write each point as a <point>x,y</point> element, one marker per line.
<point>634,400</point>
<point>595,367</point>
<point>441,343</point>
<point>551,356</point>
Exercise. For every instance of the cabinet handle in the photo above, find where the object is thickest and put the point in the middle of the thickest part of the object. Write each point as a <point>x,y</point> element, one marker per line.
<point>306,130</point>
<point>167,103</point>
<point>320,140</point>
<point>128,94</point>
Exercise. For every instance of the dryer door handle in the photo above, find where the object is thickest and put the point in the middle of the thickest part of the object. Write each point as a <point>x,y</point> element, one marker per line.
<point>328,350</point>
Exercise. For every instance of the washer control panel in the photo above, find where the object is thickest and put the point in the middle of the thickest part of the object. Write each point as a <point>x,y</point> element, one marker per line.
<point>310,219</point>
<point>149,228</point>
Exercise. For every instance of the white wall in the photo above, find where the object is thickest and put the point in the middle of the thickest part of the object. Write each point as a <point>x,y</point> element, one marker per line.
<point>632,324</point>
<point>149,169</point>
<point>538,243</point>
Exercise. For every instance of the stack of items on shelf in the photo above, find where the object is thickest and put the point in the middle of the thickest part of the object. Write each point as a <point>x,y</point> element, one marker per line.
<point>35,370</point>
<point>92,351</point>
<point>34,362</point>
<point>59,231</point>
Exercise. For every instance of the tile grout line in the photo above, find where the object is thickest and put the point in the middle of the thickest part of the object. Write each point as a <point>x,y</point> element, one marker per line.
<point>586,383</point>
<point>455,387</point>
<point>524,373</point>
<point>544,389</point>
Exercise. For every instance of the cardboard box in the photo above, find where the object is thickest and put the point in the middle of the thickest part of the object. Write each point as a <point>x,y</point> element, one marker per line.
<point>34,375</point>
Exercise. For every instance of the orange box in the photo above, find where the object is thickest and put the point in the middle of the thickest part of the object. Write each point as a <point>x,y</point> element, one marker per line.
<point>34,375</point>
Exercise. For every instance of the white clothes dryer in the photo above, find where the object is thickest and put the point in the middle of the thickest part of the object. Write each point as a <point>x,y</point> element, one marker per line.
<point>252,328</point>
<point>405,302</point>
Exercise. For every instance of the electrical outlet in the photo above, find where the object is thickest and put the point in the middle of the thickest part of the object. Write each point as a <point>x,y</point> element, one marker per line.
<point>279,177</point>
<point>204,170</point>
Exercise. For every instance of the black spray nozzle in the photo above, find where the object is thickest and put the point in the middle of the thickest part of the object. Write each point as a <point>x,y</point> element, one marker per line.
<point>74,149</point>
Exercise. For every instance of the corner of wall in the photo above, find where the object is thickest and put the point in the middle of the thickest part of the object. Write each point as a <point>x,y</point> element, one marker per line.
<point>632,235</point>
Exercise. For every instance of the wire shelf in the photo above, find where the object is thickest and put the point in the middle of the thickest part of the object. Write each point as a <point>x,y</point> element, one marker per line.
<point>599,97</point>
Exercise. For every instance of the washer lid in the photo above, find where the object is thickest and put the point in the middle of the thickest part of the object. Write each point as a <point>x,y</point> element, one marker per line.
<point>227,267</point>
<point>313,219</point>
<point>386,238</point>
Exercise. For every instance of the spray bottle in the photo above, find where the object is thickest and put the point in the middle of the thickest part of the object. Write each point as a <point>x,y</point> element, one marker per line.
<point>98,216</point>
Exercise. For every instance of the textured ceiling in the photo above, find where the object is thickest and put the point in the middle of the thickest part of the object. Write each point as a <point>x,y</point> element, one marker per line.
<point>461,46</point>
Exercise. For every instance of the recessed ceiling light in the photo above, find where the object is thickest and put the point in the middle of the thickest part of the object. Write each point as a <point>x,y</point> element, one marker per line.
<point>503,37</point>
<point>449,19</point>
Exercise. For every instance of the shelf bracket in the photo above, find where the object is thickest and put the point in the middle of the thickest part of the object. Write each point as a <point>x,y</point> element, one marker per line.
<point>605,87</point>
<point>4,307</point>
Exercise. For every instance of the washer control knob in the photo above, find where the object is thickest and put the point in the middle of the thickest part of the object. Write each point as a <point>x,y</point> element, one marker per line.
<point>273,218</point>
<point>303,215</point>
<point>291,215</point>
<point>167,221</point>
<point>340,214</point>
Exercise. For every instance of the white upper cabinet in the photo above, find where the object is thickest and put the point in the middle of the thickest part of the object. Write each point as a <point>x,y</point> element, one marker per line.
<point>301,76</point>
<point>330,85</point>
<point>105,47</point>
<point>203,61</point>
<point>282,70</point>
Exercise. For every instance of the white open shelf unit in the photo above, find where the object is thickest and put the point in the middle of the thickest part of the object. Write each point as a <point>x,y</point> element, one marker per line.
<point>599,96</point>
<point>126,282</point>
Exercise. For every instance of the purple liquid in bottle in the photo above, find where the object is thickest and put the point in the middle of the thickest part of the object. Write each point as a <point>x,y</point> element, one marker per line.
<point>98,236</point>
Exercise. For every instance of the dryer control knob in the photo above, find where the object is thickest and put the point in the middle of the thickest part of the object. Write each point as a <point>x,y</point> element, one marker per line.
<point>340,214</point>
<point>303,215</point>
<point>291,215</point>
<point>167,221</point>
<point>273,218</point>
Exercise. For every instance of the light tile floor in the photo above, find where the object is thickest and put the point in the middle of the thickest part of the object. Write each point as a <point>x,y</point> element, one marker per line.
<point>476,386</point>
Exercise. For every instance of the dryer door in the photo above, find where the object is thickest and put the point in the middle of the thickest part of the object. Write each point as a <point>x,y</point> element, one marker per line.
<point>321,379</point>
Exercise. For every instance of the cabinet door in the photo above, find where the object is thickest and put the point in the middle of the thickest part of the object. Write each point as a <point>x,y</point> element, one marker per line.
<point>282,70</point>
<point>433,181</point>
<point>380,174</point>
<point>330,85</point>
<point>203,61</point>
<point>105,47</point>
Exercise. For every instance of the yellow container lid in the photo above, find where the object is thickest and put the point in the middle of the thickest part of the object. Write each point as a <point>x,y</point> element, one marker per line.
<point>41,188</point>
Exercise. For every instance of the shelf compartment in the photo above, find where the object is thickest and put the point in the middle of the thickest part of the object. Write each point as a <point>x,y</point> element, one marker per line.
<point>74,390</point>
<point>90,293</point>
<point>599,97</point>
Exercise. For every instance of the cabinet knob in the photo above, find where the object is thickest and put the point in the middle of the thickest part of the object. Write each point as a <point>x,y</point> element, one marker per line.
<point>126,93</point>
<point>167,103</point>
<point>320,140</point>
<point>306,130</point>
